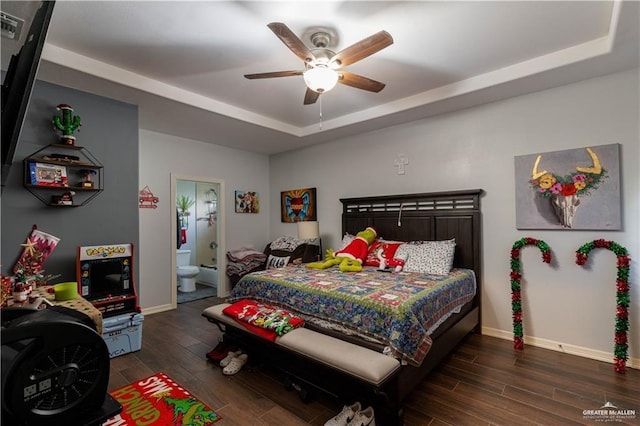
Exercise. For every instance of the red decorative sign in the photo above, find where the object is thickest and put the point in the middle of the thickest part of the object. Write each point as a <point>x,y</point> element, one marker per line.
<point>147,200</point>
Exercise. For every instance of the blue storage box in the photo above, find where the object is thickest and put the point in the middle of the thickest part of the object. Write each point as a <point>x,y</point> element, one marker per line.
<point>123,333</point>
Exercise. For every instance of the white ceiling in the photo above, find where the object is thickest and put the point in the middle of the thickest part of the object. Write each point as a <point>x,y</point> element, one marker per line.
<point>183,62</point>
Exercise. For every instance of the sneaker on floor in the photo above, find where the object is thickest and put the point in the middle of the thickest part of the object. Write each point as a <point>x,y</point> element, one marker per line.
<point>344,417</point>
<point>363,418</point>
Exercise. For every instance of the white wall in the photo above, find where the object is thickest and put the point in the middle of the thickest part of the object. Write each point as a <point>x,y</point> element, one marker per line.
<point>475,148</point>
<point>161,155</point>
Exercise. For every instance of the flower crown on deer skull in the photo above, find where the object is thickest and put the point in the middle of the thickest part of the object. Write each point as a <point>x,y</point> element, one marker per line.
<point>564,190</point>
<point>577,183</point>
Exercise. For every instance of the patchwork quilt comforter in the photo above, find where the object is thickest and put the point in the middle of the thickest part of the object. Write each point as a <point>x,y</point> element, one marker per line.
<point>395,308</point>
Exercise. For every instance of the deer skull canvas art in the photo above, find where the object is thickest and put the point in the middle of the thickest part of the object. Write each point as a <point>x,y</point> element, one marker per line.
<point>564,192</point>
<point>569,189</point>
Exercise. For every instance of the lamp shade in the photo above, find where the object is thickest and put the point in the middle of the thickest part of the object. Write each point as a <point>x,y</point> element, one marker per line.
<point>320,78</point>
<point>308,230</point>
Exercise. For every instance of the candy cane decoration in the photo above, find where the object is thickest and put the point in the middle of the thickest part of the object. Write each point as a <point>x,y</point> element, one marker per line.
<point>516,297</point>
<point>622,296</point>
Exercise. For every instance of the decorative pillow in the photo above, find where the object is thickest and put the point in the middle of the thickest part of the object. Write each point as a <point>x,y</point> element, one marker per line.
<point>303,253</point>
<point>372,256</point>
<point>286,243</point>
<point>275,262</point>
<point>389,250</point>
<point>428,257</point>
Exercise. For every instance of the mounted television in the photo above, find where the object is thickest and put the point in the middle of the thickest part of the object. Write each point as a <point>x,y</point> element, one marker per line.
<point>18,84</point>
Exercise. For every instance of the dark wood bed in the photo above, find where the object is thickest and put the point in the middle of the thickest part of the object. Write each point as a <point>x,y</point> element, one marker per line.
<point>408,217</point>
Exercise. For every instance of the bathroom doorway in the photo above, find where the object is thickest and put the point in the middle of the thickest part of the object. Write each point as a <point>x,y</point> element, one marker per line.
<point>197,232</point>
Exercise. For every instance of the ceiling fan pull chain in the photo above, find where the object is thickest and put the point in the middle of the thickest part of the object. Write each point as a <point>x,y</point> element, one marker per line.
<point>320,112</point>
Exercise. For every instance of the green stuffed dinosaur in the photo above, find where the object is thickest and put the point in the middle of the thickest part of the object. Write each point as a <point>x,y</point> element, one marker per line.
<point>350,258</point>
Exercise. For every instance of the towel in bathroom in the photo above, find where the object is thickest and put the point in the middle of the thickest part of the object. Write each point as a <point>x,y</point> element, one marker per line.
<point>264,320</point>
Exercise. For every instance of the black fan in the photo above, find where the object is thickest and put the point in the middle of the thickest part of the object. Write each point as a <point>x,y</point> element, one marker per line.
<point>55,369</point>
<point>322,58</point>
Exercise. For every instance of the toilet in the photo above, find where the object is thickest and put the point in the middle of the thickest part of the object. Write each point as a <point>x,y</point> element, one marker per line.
<point>186,273</point>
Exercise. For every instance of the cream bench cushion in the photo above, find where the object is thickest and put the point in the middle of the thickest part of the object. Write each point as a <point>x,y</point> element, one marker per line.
<point>368,365</point>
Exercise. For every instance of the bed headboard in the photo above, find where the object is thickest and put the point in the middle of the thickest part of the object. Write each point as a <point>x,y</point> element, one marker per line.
<point>428,216</point>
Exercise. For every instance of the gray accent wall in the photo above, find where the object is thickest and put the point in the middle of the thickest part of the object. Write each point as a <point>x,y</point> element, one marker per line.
<point>110,132</point>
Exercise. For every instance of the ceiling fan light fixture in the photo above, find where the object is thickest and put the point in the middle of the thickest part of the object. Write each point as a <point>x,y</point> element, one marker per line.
<point>320,78</point>
<point>323,68</point>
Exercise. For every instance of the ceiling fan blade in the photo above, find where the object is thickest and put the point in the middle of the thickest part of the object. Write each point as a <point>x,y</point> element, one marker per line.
<point>273,74</point>
<point>292,41</point>
<point>363,48</point>
<point>359,82</point>
<point>310,97</point>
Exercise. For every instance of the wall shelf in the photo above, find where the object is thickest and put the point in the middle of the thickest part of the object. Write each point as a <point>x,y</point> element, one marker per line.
<point>63,175</point>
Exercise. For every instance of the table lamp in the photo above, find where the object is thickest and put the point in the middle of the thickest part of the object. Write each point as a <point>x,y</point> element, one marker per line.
<point>309,231</point>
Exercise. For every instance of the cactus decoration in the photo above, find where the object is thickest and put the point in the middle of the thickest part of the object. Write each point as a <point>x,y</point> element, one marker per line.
<point>67,124</point>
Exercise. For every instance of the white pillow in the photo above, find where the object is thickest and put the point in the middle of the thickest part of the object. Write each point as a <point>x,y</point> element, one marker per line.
<point>428,257</point>
<point>275,262</point>
<point>285,243</point>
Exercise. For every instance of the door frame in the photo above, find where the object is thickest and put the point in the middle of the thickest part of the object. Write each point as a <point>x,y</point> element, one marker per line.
<point>220,230</point>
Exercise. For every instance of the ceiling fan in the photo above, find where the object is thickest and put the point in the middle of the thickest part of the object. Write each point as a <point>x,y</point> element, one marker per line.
<point>323,67</point>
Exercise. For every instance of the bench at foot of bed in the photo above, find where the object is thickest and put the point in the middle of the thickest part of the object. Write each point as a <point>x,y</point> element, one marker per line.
<point>342,369</point>
<point>363,363</point>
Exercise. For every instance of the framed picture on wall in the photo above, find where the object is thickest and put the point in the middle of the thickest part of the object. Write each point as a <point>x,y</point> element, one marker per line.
<point>298,205</point>
<point>247,202</point>
<point>575,189</point>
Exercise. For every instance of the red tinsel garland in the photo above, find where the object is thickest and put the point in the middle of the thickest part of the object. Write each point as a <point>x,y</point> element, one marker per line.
<point>622,296</point>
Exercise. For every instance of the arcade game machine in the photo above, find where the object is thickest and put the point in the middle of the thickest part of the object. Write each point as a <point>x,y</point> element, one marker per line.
<point>105,275</point>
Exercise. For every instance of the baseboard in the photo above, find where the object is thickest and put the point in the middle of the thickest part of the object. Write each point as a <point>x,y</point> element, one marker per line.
<point>156,309</point>
<point>562,347</point>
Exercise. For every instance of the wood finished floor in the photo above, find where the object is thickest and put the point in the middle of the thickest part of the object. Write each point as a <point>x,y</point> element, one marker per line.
<point>484,382</point>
